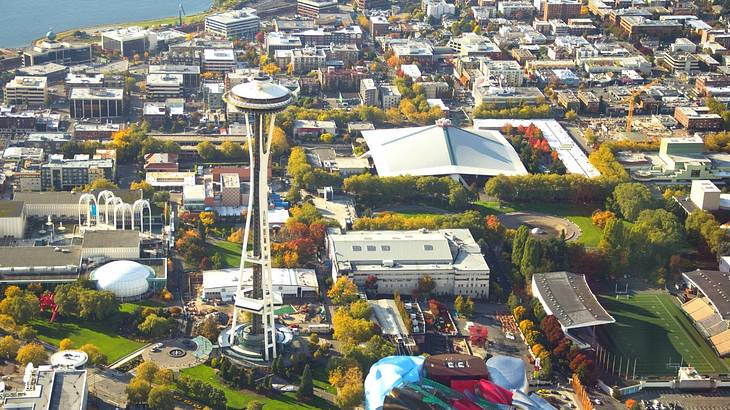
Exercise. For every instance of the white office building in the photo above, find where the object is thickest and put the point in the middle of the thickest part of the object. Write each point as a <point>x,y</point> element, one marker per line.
<point>234,24</point>
<point>219,60</point>
<point>23,90</point>
<point>162,86</point>
<point>398,259</point>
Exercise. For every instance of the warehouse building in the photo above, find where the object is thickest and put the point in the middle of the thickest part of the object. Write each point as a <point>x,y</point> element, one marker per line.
<point>398,259</point>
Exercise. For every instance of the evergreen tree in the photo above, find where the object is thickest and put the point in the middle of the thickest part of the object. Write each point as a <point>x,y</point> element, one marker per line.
<point>531,258</point>
<point>518,244</point>
<point>306,388</point>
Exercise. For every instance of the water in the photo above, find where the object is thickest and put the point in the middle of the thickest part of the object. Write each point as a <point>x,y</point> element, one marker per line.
<point>22,21</point>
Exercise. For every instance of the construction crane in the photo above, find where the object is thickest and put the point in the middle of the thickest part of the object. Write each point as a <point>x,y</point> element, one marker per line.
<point>632,102</point>
<point>180,14</point>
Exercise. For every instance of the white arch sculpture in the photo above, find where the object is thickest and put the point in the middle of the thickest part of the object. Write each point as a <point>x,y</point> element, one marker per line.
<point>141,204</point>
<point>86,200</point>
<point>124,207</point>
<point>104,195</point>
<point>113,201</point>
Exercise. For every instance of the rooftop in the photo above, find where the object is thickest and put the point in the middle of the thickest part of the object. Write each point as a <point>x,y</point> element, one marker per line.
<point>279,277</point>
<point>111,239</point>
<point>11,209</point>
<point>566,295</point>
<point>234,16</point>
<point>439,250</point>
<point>715,285</point>
<point>442,150</point>
<point>97,93</point>
<point>39,256</point>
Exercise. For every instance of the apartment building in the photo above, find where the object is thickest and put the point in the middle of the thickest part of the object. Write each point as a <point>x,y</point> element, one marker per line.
<point>30,91</point>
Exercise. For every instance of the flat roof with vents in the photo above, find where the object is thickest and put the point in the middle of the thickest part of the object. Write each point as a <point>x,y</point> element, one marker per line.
<point>566,296</point>
<point>715,285</point>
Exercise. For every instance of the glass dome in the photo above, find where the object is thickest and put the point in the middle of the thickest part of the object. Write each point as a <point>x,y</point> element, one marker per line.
<point>126,279</point>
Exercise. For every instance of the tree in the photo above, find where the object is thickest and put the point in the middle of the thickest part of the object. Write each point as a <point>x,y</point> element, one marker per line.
<point>154,326</point>
<point>232,150</point>
<point>27,332</point>
<point>255,405</point>
<point>9,347</point>
<point>631,198</point>
<point>137,391</point>
<point>520,313</point>
<point>22,306</point>
<point>97,305</point>
<point>147,189</point>
<point>96,357</point>
<point>360,309</point>
<point>348,382</point>
<point>271,69</point>
<point>65,344</point>
<point>343,291</point>
<point>208,328</point>
<point>426,285</point>
<point>206,150</point>
<point>350,396</point>
<point>459,304</point>
<point>571,115</point>
<point>31,353</point>
<point>279,142</point>
<point>207,218</point>
<point>100,184</point>
<point>161,398</point>
<point>147,371</point>
<point>327,138</point>
<point>306,388</point>
<point>348,330</point>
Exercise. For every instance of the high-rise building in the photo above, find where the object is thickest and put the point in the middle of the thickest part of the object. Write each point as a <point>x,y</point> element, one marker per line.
<point>234,24</point>
<point>257,101</point>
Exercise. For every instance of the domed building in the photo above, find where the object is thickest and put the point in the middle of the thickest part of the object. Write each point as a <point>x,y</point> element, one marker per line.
<point>127,280</point>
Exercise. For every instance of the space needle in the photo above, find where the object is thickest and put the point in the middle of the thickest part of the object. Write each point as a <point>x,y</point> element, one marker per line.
<point>256,340</point>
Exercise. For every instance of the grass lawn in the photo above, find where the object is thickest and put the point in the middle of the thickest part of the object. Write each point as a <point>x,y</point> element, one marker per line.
<point>101,334</point>
<point>578,214</point>
<point>129,307</point>
<point>237,399</point>
<point>230,253</point>
<point>651,328</point>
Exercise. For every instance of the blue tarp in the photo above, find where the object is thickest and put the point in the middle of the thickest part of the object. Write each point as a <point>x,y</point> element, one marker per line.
<point>389,372</point>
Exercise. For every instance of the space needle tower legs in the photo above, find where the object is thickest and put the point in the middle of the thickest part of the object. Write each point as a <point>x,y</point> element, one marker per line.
<point>258,100</point>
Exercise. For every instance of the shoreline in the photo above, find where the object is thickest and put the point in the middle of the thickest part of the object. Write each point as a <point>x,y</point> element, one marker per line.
<point>150,22</point>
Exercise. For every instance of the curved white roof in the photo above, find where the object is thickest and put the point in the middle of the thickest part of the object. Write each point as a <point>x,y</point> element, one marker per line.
<point>125,279</point>
<point>69,358</point>
<point>260,89</point>
<point>442,150</point>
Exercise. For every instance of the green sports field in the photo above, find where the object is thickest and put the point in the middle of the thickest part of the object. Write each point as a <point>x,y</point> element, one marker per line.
<point>651,328</point>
